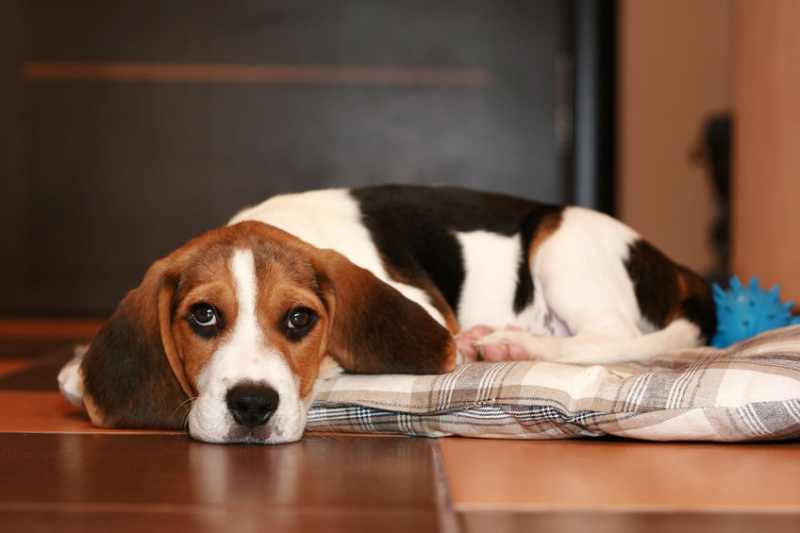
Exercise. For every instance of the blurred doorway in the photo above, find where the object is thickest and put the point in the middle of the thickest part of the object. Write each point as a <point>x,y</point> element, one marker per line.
<point>134,125</point>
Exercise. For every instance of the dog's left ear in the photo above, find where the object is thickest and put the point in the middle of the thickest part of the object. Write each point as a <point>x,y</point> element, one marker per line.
<point>373,328</point>
<point>132,374</point>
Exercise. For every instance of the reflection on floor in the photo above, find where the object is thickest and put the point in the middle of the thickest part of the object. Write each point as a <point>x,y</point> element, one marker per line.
<point>62,474</point>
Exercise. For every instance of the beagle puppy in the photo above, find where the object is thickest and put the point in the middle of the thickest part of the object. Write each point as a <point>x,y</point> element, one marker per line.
<point>228,334</point>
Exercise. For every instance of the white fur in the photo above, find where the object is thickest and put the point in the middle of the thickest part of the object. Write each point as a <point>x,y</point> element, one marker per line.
<point>490,281</point>
<point>491,261</point>
<point>581,270</point>
<point>246,357</point>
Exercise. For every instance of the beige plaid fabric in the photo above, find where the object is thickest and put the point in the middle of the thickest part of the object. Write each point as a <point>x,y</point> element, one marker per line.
<point>748,392</point>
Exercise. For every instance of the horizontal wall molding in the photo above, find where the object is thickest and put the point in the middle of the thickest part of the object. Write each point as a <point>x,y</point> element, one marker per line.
<point>256,74</point>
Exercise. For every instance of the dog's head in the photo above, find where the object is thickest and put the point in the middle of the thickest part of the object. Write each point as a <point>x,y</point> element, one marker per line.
<point>227,335</point>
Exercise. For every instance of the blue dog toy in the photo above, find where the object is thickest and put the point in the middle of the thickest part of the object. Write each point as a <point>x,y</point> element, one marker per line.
<point>744,311</point>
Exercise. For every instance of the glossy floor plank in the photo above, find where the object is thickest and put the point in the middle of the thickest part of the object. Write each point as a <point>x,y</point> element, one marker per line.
<point>47,412</point>
<point>318,481</point>
<point>40,372</point>
<point>599,522</point>
<point>621,475</point>
<point>10,365</point>
<point>31,348</point>
<point>59,473</point>
<point>205,520</point>
<point>124,469</point>
<point>31,338</point>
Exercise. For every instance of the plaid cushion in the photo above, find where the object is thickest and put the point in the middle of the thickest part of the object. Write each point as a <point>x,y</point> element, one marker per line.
<point>748,392</point>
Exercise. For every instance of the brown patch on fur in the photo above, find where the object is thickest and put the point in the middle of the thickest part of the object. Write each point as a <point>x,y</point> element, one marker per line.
<point>548,225</point>
<point>682,293</point>
<point>697,304</point>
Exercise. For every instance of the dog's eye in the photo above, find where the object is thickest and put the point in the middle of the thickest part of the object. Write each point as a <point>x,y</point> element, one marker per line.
<point>205,320</point>
<point>298,322</point>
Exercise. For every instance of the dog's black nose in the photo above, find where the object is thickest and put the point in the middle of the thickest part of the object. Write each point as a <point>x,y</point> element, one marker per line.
<point>252,404</point>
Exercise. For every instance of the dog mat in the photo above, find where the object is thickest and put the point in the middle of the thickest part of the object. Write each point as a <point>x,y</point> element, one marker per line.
<point>748,392</point>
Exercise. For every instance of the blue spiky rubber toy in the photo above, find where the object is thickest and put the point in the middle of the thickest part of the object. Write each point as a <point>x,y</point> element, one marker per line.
<point>744,311</point>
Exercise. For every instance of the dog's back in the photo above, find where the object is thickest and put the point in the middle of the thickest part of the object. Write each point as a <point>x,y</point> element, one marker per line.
<point>472,258</point>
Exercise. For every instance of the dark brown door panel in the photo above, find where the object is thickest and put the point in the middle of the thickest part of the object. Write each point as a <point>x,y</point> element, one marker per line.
<point>138,124</point>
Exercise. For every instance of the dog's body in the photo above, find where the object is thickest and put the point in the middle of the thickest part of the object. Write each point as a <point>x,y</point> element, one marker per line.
<point>473,259</point>
<point>410,268</point>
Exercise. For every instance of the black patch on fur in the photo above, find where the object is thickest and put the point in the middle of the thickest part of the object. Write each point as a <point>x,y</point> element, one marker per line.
<point>523,296</point>
<point>413,226</point>
<point>654,281</point>
<point>657,283</point>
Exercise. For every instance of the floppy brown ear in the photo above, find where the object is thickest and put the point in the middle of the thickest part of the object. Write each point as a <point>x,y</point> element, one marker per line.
<point>132,374</point>
<point>375,329</point>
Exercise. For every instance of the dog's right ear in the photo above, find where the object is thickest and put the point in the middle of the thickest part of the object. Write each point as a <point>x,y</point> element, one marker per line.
<point>132,375</point>
<point>376,330</point>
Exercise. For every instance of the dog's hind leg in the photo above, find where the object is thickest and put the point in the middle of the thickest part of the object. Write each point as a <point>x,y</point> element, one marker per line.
<point>592,281</point>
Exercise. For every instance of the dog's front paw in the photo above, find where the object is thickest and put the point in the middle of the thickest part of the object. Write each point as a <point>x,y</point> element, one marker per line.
<point>466,343</point>
<point>513,344</point>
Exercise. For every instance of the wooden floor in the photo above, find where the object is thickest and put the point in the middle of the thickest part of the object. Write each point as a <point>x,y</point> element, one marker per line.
<point>60,474</point>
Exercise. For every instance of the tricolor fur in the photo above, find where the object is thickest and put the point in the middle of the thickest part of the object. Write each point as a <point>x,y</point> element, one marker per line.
<point>390,275</point>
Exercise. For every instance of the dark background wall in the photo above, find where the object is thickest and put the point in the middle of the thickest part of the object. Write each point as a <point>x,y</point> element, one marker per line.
<point>130,126</point>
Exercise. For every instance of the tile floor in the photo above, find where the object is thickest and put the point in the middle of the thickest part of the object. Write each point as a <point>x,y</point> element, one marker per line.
<point>60,474</point>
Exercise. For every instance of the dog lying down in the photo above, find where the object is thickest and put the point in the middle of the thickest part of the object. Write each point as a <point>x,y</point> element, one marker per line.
<point>229,333</point>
